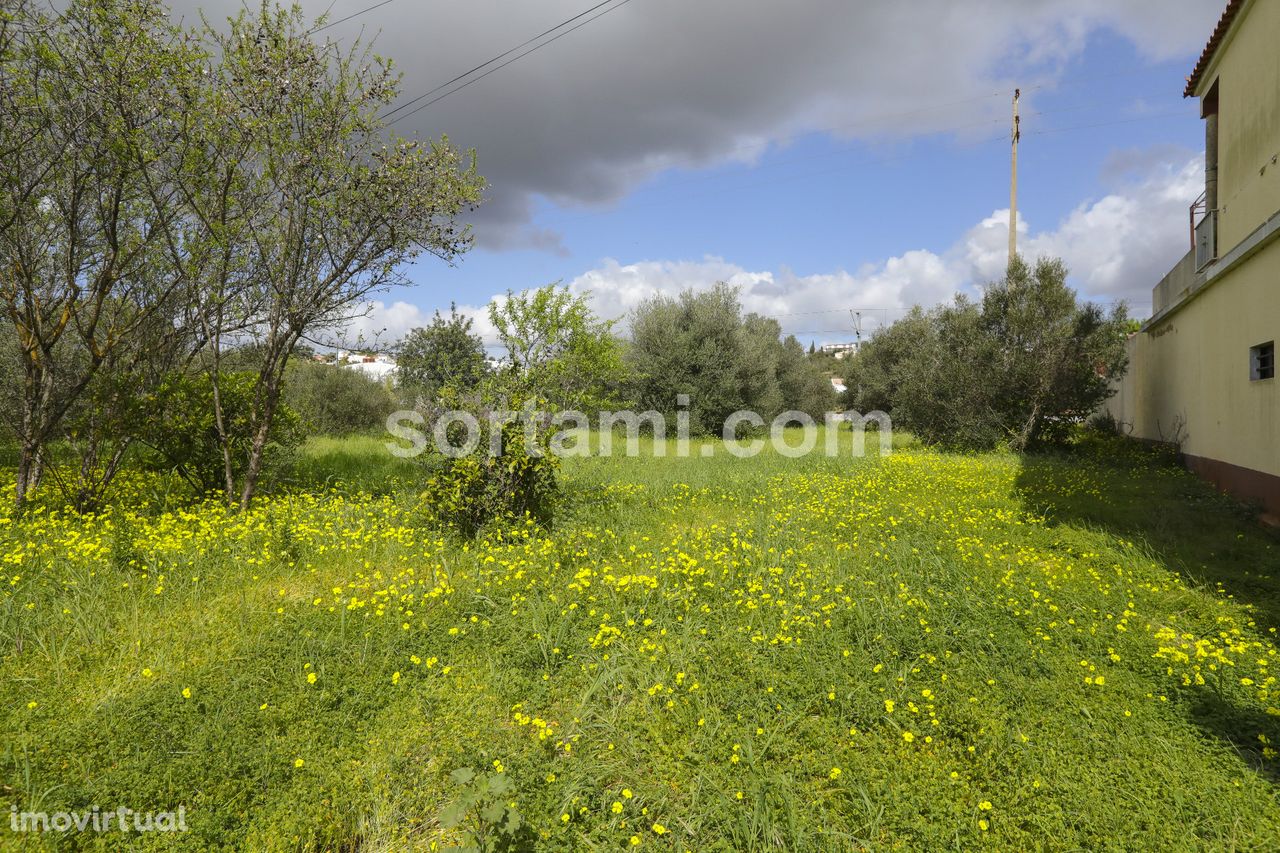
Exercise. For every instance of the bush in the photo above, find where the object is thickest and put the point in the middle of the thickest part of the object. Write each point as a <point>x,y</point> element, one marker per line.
<point>334,400</point>
<point>183,434</point>
<point>474,490</point>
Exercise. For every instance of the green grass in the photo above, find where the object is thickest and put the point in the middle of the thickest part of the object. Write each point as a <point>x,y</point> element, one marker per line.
<point>359,462</point>
<point>916,652</point>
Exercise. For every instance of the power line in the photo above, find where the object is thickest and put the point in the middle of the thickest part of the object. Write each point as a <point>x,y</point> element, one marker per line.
<point>500,56</point>
<point>324,27</point>
<point>830,311</point>
<point>1150,117</point>
<point>542,34</point>
<point>515,58</point>
<point>845,331</point>
<point>863,121</point>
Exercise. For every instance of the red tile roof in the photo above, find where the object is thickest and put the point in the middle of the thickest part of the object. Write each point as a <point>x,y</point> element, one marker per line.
<point>1219,33</point>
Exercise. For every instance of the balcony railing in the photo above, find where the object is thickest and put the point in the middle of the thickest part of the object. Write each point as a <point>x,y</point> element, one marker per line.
<point>1204,232</point>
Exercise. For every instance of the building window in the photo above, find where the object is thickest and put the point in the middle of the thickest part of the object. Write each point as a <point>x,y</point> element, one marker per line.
<point>1262,361</point>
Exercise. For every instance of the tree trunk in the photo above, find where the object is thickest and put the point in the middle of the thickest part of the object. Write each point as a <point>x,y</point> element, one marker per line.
<point>30,454</point>
<point>271,378</point>
<point>259,446</point>
<point>1030,427</point>
<point>219,420</point>
<point>37,468</point>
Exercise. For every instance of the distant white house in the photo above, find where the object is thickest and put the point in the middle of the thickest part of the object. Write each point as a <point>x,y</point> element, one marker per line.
<point>377,366</point>
<point>838,385</point>
<point>842,350</point>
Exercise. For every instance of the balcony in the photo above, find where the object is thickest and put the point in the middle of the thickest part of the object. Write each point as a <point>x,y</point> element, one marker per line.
<point>1204,233</point>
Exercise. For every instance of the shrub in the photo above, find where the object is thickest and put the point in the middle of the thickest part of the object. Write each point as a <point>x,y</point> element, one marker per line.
<point>474,490</point>
<point>334,400</point>
<point>183,433</point>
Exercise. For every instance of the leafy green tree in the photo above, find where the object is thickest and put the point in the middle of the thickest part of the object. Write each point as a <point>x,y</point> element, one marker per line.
<point>1017,369</point>
<point>336,202</point>
<point>1057,358</point>
<point>804,386</point>
<point>875,376</point>
<point>758,363</point>
<point>699,344</point>
<point>689,344</point>
<point>445,352</point>
<point>557,349</point>
<point>944,386</point>
<point>94,102</point>
<point>164,193</point>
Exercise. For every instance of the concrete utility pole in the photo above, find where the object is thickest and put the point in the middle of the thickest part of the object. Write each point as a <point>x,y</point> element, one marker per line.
<point>1013,183</point>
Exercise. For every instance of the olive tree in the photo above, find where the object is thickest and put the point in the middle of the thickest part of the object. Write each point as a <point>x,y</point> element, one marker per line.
<point>700,344</point>
<point>690,344</point>
<point>1058,357</point>
<point>1017,368</point>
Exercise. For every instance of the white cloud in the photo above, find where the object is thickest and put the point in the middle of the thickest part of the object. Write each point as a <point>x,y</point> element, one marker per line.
<point>1117,246</point>
<point>811,306</point>
<point>617,288</point>
<point>377,324</point>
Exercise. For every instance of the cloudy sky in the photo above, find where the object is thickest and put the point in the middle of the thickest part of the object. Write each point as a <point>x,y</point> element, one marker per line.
<point>825,155</point>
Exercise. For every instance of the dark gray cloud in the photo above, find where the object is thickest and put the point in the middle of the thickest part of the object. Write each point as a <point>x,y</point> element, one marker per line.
<point>659,83</point>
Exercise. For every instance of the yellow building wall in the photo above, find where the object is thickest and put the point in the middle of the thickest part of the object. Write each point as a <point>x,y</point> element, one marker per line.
<point>1188,376</point>
<point>1247,68</point>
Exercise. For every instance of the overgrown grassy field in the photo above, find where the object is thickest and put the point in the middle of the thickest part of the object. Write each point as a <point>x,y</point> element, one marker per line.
<point>920,651</point>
